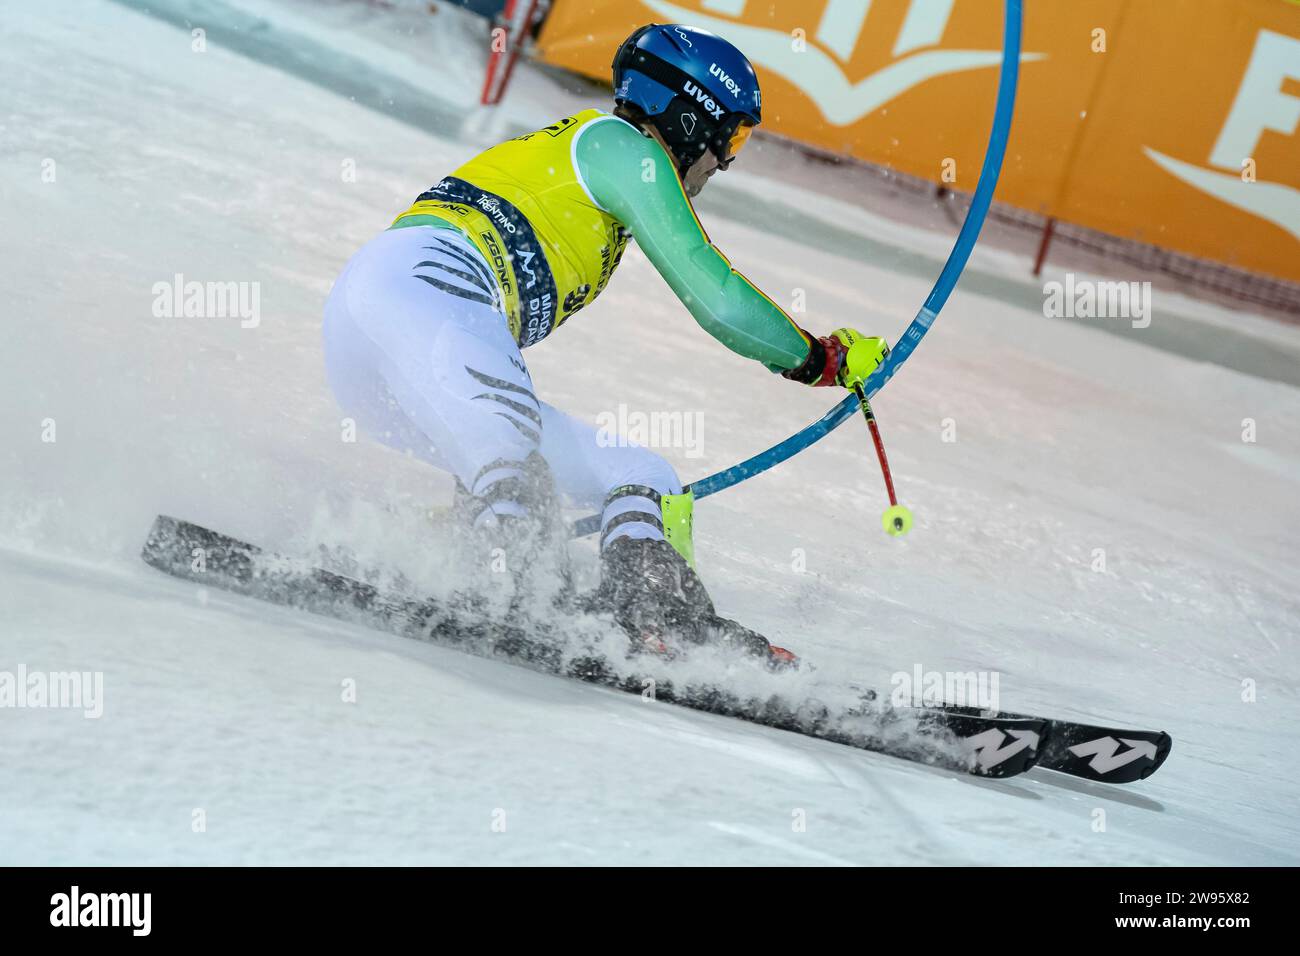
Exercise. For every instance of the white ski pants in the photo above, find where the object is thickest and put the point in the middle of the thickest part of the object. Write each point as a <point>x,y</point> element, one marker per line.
<point>418,352</point>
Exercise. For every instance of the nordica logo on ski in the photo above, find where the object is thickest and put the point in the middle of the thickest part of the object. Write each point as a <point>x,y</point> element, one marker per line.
<point>727,81</point>
<point>1107,756</point>
<point>995,746</point>
<point>711,106</point>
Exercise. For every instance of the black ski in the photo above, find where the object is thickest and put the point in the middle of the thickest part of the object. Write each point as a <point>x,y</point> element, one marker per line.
<point>1105,754</point>
<point>973,743</point>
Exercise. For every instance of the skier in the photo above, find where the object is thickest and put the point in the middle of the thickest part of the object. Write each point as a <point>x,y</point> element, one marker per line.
<point>424,327</point>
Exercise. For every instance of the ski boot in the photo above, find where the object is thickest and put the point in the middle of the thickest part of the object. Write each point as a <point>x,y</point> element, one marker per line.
<point>659,600</point>
<point>524,539</point>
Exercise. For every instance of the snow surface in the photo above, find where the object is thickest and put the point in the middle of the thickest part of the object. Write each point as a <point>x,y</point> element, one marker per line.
<point>218,167</point>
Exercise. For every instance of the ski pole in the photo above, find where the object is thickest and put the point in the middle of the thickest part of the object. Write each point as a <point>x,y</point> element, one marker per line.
<point>896,520</point>
<point>991,169</point>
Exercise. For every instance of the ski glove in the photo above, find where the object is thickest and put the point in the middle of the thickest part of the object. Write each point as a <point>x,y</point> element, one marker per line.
<point>845,357</point>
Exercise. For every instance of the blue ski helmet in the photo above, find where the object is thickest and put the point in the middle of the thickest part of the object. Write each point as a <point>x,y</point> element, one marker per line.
<point>694,87</point>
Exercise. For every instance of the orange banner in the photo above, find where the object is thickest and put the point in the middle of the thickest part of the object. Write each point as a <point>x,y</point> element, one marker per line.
<point>1174,122</point>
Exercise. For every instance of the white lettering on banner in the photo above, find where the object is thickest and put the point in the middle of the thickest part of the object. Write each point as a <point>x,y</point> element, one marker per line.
<point>841,25</point>
<point>1261,105</point>
<point>819,77</point>
<point>924,26</point>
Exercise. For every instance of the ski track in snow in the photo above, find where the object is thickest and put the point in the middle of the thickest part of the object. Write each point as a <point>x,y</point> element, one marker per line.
<point>219,168</point>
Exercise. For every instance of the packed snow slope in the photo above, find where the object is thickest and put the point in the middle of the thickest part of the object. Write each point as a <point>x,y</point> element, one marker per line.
<point>1091,526</point>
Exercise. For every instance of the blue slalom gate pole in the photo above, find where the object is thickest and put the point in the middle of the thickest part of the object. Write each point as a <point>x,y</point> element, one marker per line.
<point>943,286</point>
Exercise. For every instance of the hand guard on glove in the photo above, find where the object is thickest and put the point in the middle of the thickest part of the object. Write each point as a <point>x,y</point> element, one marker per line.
<point>845,357</point>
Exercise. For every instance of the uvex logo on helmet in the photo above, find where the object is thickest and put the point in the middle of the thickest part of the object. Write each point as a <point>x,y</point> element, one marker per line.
<point>727,81</point>
<point>704,99</point>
